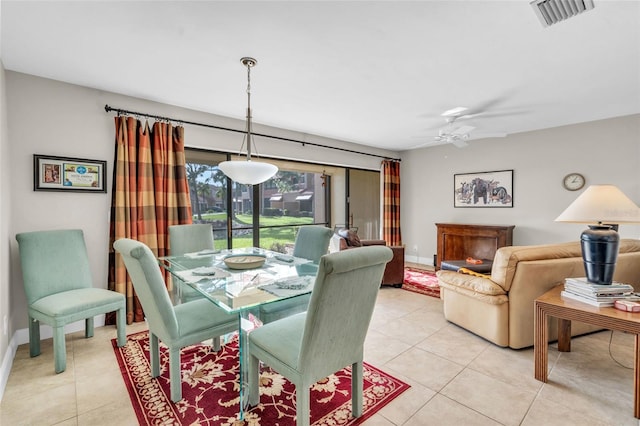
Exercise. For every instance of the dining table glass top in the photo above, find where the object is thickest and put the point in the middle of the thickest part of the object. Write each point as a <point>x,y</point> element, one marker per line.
<point>239,279</point>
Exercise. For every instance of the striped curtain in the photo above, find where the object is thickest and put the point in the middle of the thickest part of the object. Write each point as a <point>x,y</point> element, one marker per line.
<point>391,203</point>
<point>149,193</point>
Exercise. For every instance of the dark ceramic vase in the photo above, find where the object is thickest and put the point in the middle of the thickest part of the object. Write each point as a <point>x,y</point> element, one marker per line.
<point>600,252</point>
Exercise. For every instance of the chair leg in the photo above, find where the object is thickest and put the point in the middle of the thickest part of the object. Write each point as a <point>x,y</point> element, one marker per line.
<point>356,388</point>
<point>121,322</point>
<point>88,327</point>
<point>174,374</point>
<point>254,381</point>
<point>59,349</point>
<point>154,354</point>
<point>216,344</point>
<point>34,337</point>
<point>302,405</point>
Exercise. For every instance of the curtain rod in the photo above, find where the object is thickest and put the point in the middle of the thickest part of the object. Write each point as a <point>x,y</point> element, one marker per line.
<point>108,108</point>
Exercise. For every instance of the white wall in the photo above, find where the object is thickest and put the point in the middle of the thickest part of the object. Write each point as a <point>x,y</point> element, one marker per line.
<point>606,151</point>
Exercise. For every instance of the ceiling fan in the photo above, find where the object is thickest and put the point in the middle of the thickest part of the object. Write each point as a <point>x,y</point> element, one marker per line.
<point>455,134</point>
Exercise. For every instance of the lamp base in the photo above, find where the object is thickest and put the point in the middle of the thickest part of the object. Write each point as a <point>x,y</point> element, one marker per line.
<point>599,252</point>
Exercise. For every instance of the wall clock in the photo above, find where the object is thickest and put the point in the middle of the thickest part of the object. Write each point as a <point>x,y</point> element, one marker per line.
<point>573,181</point>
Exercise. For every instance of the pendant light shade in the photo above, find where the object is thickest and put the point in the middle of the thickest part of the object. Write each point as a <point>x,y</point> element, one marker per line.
<point>246,171</point>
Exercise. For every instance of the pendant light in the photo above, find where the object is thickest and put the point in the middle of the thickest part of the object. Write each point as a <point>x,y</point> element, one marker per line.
<point>248,172</point>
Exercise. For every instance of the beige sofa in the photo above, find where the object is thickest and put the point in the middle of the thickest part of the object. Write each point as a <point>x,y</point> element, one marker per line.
<point>499,307</point>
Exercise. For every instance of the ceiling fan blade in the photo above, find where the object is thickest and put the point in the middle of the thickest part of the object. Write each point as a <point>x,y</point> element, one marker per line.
<point>488,135</point>
<point>454,112</point>
<point>459,143</point>
<point>462,130</point>
<point>427,144</point>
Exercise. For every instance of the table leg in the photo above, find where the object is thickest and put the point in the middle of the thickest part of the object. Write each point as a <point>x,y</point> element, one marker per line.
<point>245,325</point>
<point>636,378</point>
<point>242,364</point>
<point>564,335</point>
<point>540,343</point>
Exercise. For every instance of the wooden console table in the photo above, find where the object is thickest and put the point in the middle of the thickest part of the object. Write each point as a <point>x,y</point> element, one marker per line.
<point>457,241</point>
<point>552,304</point>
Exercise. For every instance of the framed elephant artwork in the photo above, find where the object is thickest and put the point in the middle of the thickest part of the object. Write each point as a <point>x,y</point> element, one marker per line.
<point>483,189</point>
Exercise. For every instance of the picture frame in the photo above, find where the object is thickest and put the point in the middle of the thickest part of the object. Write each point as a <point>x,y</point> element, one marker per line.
<point>483,189</point>
<point>51,173</point>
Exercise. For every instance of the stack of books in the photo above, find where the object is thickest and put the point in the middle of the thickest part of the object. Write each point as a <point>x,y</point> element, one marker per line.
<point>597,294</point>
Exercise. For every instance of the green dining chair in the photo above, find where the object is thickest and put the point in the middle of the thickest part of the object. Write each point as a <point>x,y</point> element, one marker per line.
<point>310,346</point>
<point>312,242</point>
<point>58,285</point>
<point>176,326</point>
<point>190,238</point>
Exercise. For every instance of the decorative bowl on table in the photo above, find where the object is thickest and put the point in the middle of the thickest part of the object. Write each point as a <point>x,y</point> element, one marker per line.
<point>244,261</point>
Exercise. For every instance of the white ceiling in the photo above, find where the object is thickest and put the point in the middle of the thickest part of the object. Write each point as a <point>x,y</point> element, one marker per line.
<point>375,73</point>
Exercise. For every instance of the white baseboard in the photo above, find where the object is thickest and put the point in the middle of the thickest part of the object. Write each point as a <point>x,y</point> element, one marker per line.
<point>21,337</point>
<point>420,260</point>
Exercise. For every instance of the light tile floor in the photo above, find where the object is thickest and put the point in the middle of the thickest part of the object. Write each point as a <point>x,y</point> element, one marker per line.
<point>456,377</point>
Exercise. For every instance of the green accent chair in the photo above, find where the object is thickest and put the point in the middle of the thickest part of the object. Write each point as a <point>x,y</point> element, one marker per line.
<point>177,326</point>
<point>309,346</point>
<point>312,242</point>
<point>58,285</point>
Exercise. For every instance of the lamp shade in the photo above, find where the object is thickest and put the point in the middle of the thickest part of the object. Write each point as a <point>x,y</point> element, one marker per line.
<point>248,172</point>
<point>603,207</point>
<point>601,204</point>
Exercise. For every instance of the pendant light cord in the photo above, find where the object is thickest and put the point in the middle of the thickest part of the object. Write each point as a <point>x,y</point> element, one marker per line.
<point>249,63</point>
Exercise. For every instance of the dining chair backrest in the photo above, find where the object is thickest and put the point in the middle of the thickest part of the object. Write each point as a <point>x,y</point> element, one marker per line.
<point>53,262</point>
<point>150,288</point>
<point>190,238</point>
<point>312,242</point>
<point>341,307</point>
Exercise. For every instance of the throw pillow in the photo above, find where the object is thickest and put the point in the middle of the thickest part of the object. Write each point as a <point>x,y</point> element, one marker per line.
<point>474,273</point>
<point>351,236</point>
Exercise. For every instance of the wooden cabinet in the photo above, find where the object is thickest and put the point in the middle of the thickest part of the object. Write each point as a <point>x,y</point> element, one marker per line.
<point>457,241</point>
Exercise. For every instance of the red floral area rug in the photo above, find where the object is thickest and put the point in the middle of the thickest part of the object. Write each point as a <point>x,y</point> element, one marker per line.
<point>210,390</point>
<point>421,281</point>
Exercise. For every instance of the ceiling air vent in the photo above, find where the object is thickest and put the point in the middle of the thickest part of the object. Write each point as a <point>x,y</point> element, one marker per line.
<point>551,11</point>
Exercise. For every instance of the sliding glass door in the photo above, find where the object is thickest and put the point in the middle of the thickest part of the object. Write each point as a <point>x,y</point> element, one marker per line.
<point>364,202</point>
<point>266,215</point>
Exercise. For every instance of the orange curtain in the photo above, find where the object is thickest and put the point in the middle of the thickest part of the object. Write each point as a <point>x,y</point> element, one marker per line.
<point>149,193</point>
<point>391,203</point>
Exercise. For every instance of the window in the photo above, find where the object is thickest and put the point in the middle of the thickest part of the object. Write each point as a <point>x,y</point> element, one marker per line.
<point>297,195</point>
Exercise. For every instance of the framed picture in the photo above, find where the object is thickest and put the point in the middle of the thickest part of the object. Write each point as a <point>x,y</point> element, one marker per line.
<point>68,174</point>
<point>483,189</point>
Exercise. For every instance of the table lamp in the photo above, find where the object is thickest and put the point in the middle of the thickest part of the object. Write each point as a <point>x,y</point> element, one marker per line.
<point>603,207</point>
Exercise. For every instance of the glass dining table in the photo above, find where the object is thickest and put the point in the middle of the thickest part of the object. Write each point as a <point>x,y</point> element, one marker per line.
<point>240,281</point>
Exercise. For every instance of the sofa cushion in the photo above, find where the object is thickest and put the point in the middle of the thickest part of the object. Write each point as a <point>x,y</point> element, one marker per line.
<point>351,237</point>
<point>479,288</point>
